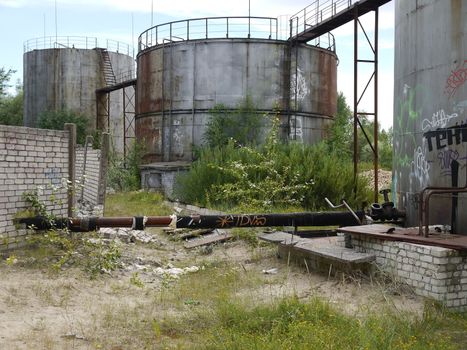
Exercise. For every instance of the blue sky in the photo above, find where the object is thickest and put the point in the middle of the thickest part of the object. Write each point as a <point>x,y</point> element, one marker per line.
<point>21,20</point>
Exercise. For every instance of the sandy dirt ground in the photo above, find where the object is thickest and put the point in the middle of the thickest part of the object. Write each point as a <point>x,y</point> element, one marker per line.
<point>42,309</point>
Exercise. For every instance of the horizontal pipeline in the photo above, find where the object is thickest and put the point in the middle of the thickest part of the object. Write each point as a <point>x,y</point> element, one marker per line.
<point>198,221</point>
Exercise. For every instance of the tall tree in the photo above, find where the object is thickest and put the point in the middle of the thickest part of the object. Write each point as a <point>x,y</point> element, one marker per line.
<point>340,132</point>
<point>5,76</point>
<point>11,106</point>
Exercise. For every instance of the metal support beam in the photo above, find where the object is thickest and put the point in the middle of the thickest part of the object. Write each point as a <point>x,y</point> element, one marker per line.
<point>357,125</point>
<point>128,118</point>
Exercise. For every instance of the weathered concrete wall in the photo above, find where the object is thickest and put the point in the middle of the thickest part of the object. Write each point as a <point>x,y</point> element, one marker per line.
<point>430,108</point>
<point>29,159</point>
<point>178,84</point>
<point>87,174</point>
<point>67,78</point>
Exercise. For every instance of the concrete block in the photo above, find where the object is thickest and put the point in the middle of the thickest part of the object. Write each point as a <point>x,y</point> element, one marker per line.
<point>455,260</point>
<point>452,296</point>
<point>443,275</point>
<point>426,258</point>
<point>439,289</point>
<point>403,274</point>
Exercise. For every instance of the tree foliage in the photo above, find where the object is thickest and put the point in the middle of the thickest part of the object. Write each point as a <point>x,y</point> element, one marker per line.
<point>11,106</point>
<point>340,136</point>
<point>57,119</point>
<point>5,76</point>
<point>340,132</point>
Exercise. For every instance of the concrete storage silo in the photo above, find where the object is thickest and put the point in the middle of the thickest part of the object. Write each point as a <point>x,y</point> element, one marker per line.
<point>430,108</point>
<point>63,74</point>
<point>185,68</point>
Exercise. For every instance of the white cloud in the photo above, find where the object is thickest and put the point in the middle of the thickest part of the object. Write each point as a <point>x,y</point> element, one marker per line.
<point>13,3</point>
<point>183,8</point>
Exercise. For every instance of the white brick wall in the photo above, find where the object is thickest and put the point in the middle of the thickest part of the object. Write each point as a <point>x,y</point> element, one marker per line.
<point>435,272</point>
<point>29,158</point>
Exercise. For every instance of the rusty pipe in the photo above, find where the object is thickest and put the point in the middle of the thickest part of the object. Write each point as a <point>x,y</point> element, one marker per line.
<point>424,206</point>
<point>425,219</point>
<point>198,221</point>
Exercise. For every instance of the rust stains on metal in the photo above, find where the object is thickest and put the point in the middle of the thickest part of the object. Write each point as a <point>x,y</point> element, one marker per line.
<point>327,101</point>
<point>149,131</point>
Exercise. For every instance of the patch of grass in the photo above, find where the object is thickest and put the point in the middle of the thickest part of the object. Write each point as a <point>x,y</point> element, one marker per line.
<point>136,203</point>
<point>61,250</point>
<point>219,308</point>
<point>247,235</point>
<point>292,324</point>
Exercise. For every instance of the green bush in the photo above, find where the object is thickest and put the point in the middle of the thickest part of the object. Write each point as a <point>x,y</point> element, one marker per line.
<point>11,109</point>
<point>272,176</point>
<point>57,119</point>
<point>124,173</point>
<point>241,124</point>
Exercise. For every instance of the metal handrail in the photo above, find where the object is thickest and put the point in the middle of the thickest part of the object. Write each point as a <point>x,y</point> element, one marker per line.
<point>125,76</point>
<point>209,28</point>
<point>316,12</point>
<point>77,42</point>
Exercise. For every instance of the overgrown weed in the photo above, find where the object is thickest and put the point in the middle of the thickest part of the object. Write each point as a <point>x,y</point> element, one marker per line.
<point>136,203</point>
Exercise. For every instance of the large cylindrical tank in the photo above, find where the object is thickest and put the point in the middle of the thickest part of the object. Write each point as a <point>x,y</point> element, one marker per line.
<point>430,108</point>
<point>64,75</point>
<point>180,82</point>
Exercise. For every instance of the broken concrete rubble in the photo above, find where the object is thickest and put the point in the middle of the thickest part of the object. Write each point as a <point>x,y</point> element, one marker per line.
<point>128,235</point>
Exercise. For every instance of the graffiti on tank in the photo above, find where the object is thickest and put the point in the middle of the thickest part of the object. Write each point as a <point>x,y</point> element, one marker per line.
<point>460,107</point>
<point>456,79</point>
<point>298,86</point>
<point>444,137</point>
<point>296,130</point>
<point>405,121</point>
<point>445,158</point>
<point>420,166</point>
<point>439,119</point>
<point>177,137</point>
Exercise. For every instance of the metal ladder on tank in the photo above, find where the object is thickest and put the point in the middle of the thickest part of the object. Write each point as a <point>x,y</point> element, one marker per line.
<point>109,75</point>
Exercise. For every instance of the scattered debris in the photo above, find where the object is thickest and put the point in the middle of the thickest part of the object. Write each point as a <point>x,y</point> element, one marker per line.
<point>85,208</point>
<point>128,235</point>
<point>184,233</point>
<point>175,272</point>
<point>216,237</point>
<point>272,271</point>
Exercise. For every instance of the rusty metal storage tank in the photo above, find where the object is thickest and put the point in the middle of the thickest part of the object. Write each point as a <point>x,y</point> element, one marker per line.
<point>186,68</point>
<point>63,73</point>
<point>430,108</point>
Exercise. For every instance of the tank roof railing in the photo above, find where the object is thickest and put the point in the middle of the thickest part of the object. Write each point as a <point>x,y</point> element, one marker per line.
<point>210,28</point>
<point>326,41</point>
<point>77,42</point>
<point>227,27</point>
<point>316,12</point>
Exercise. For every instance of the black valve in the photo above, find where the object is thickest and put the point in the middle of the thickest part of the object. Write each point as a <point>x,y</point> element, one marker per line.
<point>385,194</point>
